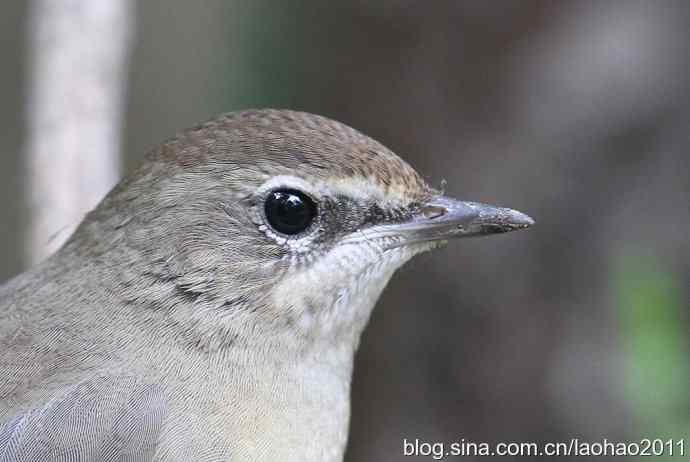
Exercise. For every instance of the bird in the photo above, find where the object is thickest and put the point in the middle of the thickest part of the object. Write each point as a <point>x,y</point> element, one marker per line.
<point>210,307</point>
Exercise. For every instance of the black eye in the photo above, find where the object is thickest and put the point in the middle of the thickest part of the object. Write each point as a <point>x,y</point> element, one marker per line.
<point>289,211</point>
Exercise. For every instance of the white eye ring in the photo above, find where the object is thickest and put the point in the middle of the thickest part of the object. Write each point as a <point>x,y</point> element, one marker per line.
<point>289,211</point>
<point>297,243</point>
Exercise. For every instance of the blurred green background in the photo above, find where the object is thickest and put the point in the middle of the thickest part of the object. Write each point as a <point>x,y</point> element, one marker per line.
<point>577,113</point>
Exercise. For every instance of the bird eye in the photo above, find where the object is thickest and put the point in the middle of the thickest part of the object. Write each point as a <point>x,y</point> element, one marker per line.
<point>289,211</point>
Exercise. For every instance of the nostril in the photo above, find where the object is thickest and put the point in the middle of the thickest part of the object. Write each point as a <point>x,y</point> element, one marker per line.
<point>433,211</point>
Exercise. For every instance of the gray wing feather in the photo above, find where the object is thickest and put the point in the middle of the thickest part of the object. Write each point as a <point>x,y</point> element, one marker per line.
<point>102,419</point>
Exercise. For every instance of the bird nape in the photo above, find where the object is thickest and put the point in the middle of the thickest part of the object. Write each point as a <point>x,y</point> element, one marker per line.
<point>210,307</point>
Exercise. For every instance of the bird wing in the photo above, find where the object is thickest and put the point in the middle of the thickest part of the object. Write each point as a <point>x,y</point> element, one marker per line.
<point>103,419</point>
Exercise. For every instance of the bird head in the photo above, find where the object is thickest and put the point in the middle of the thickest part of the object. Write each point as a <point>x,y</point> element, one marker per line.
<point>280,223</point>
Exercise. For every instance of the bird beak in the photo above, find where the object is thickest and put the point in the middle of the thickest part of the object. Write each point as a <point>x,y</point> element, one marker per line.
<point>446,218</point>
<point>442,218</point>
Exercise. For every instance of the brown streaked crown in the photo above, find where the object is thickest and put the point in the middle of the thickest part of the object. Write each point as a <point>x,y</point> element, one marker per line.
<point>273,142</point>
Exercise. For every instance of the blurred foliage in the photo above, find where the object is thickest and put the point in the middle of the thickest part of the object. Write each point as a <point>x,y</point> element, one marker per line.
<point>269,76</point>
<point>655,344</point>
